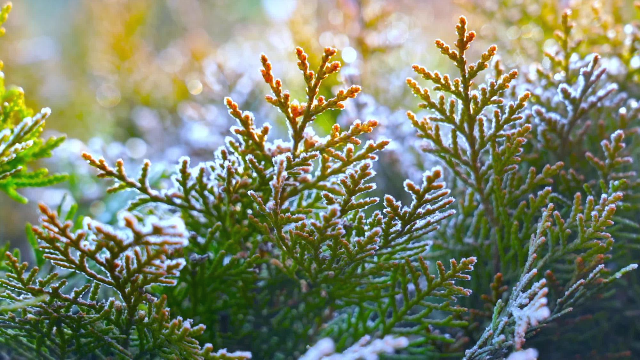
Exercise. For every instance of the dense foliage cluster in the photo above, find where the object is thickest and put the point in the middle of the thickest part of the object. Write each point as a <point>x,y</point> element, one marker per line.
<point>281,248</point>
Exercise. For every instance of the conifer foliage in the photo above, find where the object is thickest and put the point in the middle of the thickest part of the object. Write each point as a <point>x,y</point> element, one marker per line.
<point>20,141</point>
<point>291,215</point>
<point>518,209</point>
<point>279,249</point>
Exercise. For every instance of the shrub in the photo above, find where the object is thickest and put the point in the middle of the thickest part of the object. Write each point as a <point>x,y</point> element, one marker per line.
<point>276,245</point>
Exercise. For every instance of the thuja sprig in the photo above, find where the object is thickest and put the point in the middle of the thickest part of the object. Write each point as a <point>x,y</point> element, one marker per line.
<point>582,113</point>
<point>415,296</point>
<point>480,137</point>
<point>320,248</point>
<point>47,316</point>
<point>20,141</point>
<point>615,164</point>
<point>576,105</point>
<point>528,309</point>
<point>566,118</point>
<point>296,214</point>
<point>561,58</point>
<point>484,152</point>
<point>486,134</point>
<point>581,117</point>
<point>339,243</point>
<point>299,115</point>
<point>134,262</point>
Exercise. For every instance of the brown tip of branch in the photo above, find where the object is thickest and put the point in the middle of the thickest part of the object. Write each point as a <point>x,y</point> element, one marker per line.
<point>471,36</point>
<point>230,104</point>
<point>43,208</point>
<point>353,91</point>
<point>329,51</point>
<point>300,54</point>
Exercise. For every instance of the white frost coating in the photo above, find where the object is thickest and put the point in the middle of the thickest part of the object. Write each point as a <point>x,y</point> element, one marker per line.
<point>175,178</point>
<point>225,353</point>
<point>532,314</point>
<point>622,271</point>
<point>278,161</point>
<point>528,354</point>
<point>363,349</point>
<point>575,57</point>
<point>279,143</point>
<point>179,262</point>
<point>310,132</point>
<point>228,139</point>
<point>280,158</point>
<point>181,160</point>
<point>320,350</point>
<point>174,224</point>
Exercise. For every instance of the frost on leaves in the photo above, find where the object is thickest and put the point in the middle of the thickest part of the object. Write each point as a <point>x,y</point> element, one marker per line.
<point>288,232</point>
<point>492,142</point>
<point>113,308</point>
<point>21,144</point>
